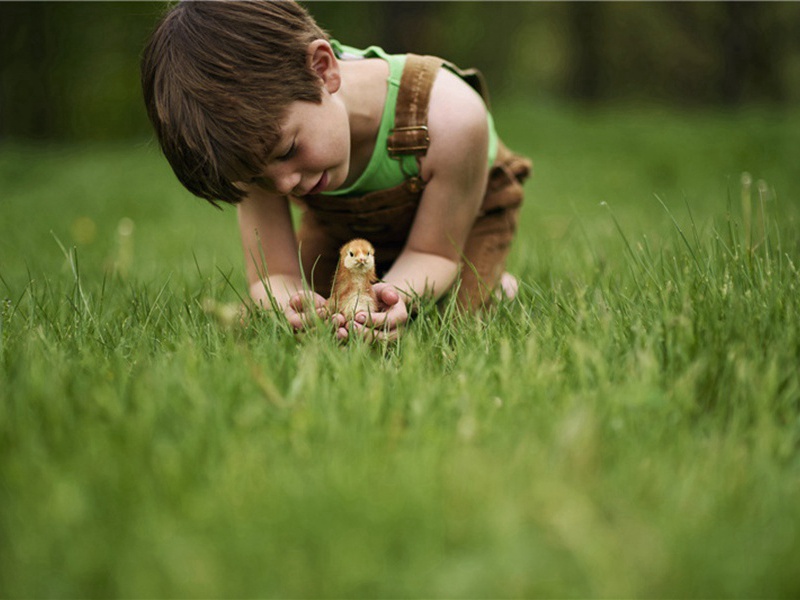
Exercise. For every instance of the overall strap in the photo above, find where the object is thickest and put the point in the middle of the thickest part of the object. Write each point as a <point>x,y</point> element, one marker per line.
<point>408,140</point>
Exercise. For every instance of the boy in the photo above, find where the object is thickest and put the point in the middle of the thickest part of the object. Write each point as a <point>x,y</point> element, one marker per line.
<point>254,105</point>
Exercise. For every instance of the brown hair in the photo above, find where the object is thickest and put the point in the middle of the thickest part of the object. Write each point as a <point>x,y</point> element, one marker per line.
<point>217,79</point>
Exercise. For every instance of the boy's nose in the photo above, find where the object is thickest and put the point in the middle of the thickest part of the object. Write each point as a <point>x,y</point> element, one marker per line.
<point>285,184</point>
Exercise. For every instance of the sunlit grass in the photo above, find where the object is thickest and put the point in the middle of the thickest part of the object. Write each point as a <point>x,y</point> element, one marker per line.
<point>627,427</point>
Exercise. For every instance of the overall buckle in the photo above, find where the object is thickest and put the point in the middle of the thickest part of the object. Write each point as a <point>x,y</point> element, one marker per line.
<point>408,140</point>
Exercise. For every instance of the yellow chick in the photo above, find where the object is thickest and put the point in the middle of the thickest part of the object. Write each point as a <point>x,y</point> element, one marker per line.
<point>352,285</point>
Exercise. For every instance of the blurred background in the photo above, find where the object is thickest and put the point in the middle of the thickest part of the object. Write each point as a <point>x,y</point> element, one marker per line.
<point>615,102</point>
<point>69,70</point>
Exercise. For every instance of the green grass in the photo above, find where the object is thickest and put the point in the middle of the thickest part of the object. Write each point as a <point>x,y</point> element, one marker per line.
<point>630,427</point>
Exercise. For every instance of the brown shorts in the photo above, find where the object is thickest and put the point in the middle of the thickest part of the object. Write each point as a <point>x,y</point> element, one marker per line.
<point>385,219</point>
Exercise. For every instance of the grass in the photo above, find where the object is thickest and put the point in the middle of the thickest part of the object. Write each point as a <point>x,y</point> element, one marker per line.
<point>629,427</point>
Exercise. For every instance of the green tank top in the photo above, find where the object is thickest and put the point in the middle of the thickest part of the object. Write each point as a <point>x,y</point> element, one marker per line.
<point>382,171</point>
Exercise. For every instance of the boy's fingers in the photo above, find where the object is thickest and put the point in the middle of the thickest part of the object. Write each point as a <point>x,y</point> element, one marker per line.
<point>295,321</point>
<point>372,334</point>
<point>373,319</point>
<point>297,301</point>
<point>304,319</point>
<point>391,319</point>
<point>394,317</point>
<point>301,300</point>
<point>388,295</point>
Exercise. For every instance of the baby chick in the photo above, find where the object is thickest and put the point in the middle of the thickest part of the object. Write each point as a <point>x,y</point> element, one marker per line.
<point>352,285</point>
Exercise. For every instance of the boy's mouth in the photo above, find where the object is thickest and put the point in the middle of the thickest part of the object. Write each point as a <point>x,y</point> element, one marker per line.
<point>323,181</point>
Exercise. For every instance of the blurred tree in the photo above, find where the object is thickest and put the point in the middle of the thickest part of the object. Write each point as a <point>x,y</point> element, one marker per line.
<point>26,96</point>
<point>585,24</point>
<point>407,26</point>
<point>752,54</point>
<point>70,70</point>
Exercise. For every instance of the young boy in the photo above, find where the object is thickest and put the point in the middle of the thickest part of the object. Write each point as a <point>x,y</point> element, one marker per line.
<point>254,105</point>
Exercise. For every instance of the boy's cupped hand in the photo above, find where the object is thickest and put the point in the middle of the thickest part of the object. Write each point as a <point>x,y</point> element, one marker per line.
<point>388,321</point>
<point>306,309</point>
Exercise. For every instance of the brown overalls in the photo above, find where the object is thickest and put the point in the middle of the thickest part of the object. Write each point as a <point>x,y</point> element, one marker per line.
<point>385,217</point>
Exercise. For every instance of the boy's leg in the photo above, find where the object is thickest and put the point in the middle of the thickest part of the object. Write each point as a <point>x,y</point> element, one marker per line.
<point>489,242</point>
<point>508,287</point>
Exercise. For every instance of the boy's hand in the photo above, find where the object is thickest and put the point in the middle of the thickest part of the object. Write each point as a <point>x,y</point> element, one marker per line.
<point>392,315</point>
<point>306,308</point>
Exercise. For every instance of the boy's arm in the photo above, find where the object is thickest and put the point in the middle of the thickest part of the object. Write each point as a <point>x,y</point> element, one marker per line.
<point>455,168</point>
<point>272,263</point>
<point>268,239</point>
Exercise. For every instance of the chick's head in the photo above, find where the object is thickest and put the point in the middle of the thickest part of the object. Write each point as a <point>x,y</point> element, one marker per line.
<point>358,255</point>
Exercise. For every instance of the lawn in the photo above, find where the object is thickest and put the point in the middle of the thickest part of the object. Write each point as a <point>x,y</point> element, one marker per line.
<point>628,427</point>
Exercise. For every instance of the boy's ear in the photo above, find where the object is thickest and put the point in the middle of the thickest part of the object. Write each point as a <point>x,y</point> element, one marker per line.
<point>322,61</point>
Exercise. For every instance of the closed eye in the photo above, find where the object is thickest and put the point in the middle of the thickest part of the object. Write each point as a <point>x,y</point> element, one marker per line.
<point>289,153</point>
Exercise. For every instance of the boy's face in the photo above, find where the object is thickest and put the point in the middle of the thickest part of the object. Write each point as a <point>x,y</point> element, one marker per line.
<point>313,152</point>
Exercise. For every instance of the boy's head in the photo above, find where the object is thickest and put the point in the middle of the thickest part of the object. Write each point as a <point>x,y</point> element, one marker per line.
<point>217,78</point>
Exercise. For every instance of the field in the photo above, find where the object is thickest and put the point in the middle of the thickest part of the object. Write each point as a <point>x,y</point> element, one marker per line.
<point>628,427</point>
